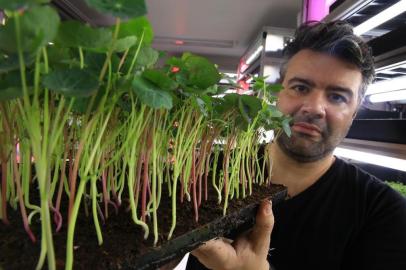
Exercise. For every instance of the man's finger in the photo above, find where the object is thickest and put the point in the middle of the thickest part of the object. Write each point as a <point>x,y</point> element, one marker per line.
<point>261,233</point>
<point>215,252</point>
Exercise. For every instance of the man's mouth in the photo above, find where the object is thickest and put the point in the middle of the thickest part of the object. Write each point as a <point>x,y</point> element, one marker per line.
<point>306,128</point>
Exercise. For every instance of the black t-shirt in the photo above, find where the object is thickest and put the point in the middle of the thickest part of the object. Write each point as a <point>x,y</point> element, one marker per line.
<point>348,219</point>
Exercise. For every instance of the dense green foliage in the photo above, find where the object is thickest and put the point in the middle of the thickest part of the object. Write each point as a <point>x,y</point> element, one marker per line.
<point>89,108</point>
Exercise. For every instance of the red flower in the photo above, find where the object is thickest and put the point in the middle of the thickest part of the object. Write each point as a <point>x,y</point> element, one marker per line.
<point>175,69</point>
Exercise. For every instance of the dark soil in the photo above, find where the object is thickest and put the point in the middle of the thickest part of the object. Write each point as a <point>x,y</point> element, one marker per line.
<point>123,240</point>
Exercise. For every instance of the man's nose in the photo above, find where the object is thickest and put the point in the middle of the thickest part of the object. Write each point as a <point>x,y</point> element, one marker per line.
<point>314,105</point>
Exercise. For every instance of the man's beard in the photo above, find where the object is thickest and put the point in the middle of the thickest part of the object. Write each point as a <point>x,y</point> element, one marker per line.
<point>313,150</point>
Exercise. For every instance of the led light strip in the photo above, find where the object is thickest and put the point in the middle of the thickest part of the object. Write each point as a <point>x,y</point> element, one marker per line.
<point>388,96</point>
<point>387,86</point>
<point>380,18</point>
<point>254,55</point>
<point>380,160</point>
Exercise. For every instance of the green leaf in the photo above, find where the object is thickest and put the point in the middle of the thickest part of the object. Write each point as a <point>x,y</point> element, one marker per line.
<point>76,34</point>
<point>202,104</point>
<point>9,62</point>
<point>137,27</point>
<point>150,94</point>
<point>20,4</point>
<point>208,102</point>
<point>11,92</point>
<point>79,104</point>
<point>225,104</point>
<point>212,89</point>
<point>38,25</point>
<point>147,57</point>
<point>10,86</point>
<point>286,126</point>
<point>193,90</point>
<point>119,8</point>
<point>274,88</point>
<point>272,111</point>
<point>202,73</point>
<point>231,99</point>
<point>125,43</point>
<point>71,82</point>
<point>160,79</point>
<point>94,61</point>
<point>174,62</point>
<point>249,107</point>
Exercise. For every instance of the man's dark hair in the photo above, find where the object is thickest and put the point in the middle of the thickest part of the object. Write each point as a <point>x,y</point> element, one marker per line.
<point>336,39</point>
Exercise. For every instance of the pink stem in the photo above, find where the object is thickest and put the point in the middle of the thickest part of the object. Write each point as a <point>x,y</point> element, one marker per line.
<point>57,217</point>
<point>145,186</point>
<point>113,189</point>
<point>105,195</point>
<point>137,183</point>
<point>194,187</point>
<point>72,180</point>
<point>21,201</point>
<point>114,205</point>
<point>62,178</point>
<point>206,174</point>
<point>100,213</point>
<point>4,191</point>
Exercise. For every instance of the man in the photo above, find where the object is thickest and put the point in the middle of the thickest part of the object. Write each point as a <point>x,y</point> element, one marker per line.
<point>337,216</point>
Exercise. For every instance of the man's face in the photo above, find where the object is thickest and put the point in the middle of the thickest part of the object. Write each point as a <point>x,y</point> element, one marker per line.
<point>320,92</point>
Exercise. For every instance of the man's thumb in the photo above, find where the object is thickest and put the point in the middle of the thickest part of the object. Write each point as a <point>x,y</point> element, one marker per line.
<point>261,233</point>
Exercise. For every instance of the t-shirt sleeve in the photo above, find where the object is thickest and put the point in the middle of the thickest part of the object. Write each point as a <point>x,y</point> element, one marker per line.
<point>382,239</point>
<point>194,264</point>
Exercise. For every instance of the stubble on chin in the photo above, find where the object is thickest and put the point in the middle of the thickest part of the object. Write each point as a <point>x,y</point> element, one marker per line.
<point>302,152</point>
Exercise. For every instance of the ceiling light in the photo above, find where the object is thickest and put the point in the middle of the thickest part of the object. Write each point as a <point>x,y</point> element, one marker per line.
<point>273,43</point>
<point>388,96</point>
<point>387,86</point>
<point>381,17</point>
<point>254,55</point>
<point>380,160</point>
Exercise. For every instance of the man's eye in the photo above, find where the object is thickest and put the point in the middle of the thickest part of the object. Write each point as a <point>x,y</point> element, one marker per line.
<point>300,88</point>
<point>337,98</point>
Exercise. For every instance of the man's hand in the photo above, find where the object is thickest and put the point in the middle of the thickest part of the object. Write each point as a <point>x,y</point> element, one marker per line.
<point>248,251</point>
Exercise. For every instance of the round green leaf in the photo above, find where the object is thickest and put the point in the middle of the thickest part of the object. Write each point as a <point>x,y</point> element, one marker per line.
<point>20,4</point>
<point>94,61</point>
<point>76,34</point>
<point>119,8</point>
<point>71,82</point>
<point>38,25</point>
<point>123,44</point>
<point>203,103</point>
<point>274,88</point>
<point>202,73</point>
<point>147,57</point>
<point>151,95</point>
<point>225,104</point>
<point>9,62</point>
<point>10,86</point>
<point>252,105</point>
<point>137,27</point>
<point>10,93</point>
<point>160,79</point>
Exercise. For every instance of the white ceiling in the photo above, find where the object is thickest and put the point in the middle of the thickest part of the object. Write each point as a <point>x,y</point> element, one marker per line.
<point>233,23</point>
